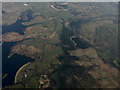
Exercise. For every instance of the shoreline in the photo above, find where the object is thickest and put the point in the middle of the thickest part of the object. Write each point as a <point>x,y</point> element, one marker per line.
<point>15,80</point>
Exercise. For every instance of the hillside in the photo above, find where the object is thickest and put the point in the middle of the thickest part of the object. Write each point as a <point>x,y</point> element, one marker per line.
<point>74,44</point>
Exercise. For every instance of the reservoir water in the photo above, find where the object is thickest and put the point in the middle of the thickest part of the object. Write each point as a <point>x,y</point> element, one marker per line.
<point>16,27</point>
<point>11,65</point>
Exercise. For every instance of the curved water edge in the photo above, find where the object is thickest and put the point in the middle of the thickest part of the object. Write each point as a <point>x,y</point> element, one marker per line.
<point>15,81</point>
<point>11,65</point>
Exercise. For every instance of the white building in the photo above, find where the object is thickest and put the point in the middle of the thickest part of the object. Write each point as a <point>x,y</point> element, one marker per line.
<point>25,4</point>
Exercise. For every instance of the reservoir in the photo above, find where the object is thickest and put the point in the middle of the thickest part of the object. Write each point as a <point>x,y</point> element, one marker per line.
<point>11,65</point>
<point>15,27</point>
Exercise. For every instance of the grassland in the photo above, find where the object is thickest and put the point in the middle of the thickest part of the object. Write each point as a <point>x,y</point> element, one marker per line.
<point>71,46</point>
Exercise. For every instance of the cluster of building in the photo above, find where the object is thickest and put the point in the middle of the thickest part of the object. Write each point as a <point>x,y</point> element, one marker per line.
<point>44,82</point>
